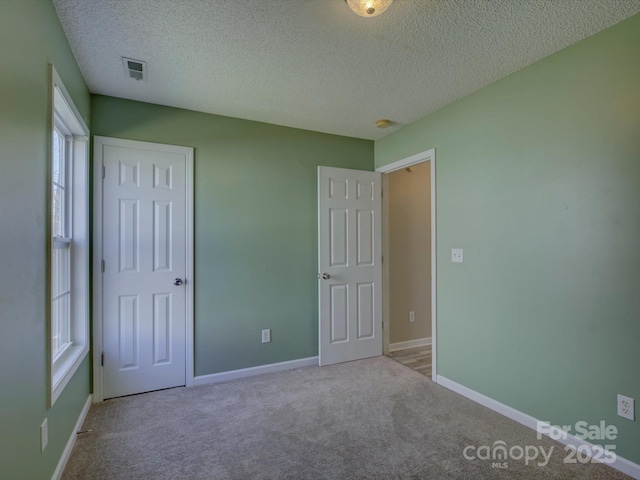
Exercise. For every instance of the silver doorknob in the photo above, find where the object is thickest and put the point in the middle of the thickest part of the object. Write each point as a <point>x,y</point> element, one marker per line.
<point>177,282</point>
<point>326,276</point>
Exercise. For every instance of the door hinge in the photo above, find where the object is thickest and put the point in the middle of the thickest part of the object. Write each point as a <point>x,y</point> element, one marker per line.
<point>103,171</point>
<point>102,360</point>
<point>102,266</point>
<point>381,260</point>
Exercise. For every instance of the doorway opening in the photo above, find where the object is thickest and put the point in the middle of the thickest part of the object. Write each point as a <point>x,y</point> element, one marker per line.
<point>409,262</point>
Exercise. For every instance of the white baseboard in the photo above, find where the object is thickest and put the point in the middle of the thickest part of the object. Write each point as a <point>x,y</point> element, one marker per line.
<point>253,371</point>
<point>622,464</point>
<point>72,441</point>
<point>420,342</point>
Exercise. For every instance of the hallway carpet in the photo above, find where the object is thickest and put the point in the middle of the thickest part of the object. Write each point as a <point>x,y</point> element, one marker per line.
<point>369,419</point>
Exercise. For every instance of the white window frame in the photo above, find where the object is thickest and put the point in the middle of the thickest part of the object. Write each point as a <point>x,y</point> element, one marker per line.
<point>65,117</point>
<point>61,239</point>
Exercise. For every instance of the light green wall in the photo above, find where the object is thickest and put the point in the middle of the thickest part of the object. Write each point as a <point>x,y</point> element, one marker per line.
<point>538,179</point>
<point>255,225</point>
<point>30,39</point>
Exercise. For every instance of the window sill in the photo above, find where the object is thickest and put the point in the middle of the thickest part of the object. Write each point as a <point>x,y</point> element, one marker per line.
<point>65,367</point>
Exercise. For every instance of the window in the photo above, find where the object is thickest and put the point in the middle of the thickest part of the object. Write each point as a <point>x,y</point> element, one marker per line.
<point>61,255</point>
<point>69,201</point>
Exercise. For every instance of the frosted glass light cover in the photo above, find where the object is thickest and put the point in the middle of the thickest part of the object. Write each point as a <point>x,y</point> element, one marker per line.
<point>369,8</point>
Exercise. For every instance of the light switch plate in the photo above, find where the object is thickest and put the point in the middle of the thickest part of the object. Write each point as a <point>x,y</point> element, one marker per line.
<point>457,255</point>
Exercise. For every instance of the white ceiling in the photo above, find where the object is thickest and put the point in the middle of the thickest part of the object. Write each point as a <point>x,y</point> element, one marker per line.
<point>314,64</point>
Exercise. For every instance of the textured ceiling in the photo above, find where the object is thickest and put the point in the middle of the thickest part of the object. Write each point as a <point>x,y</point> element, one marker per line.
<point>314,64</point>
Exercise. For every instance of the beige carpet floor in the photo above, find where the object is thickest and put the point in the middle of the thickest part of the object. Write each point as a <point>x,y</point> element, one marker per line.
<point>369,419</point>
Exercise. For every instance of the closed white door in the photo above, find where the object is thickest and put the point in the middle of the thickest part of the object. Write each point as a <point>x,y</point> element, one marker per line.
<point>144,251</point>
<point>349,263</point>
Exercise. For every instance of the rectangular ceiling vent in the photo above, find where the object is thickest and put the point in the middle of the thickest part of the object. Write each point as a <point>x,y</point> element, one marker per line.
<point>135,69</point>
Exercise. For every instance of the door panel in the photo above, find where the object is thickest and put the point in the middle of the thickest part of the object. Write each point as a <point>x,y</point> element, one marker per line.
<point>349,256</point>
<point>144,249</point>
<point>162,220</point>
<point>339,313</point>
<point>161,328</point>
<point>365,310</point>
<point>129,235</point>
<point>338,242</point>
<point>128,315</point>
<point>365,238</point>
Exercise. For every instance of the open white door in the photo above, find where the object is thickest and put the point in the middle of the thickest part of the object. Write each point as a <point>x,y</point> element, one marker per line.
<point>349,264</point>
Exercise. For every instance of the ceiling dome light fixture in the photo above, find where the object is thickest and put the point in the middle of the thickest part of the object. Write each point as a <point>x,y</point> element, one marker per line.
<point>368,8</point>
<point>383,123</point>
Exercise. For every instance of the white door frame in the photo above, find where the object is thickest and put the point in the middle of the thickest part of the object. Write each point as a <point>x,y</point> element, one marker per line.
<point>97,345</point>
<point>426,156</point>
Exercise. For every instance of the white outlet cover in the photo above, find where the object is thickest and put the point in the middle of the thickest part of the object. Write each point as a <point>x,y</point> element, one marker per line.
<point>457,255</point>
<point>412,317</point>
<point>626,407</point>
<point>44,435</point>
<point>266,336</point>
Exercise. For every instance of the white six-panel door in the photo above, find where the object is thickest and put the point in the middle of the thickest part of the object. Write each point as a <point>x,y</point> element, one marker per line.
<point>144,251</point>
<point>349,262</point>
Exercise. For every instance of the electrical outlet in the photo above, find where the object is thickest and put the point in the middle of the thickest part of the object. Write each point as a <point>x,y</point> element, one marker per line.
<point>457,255</point>
<point>412,317</point>
<point>626,407</point>
<point>44,435</point>
<point>266,335</point>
